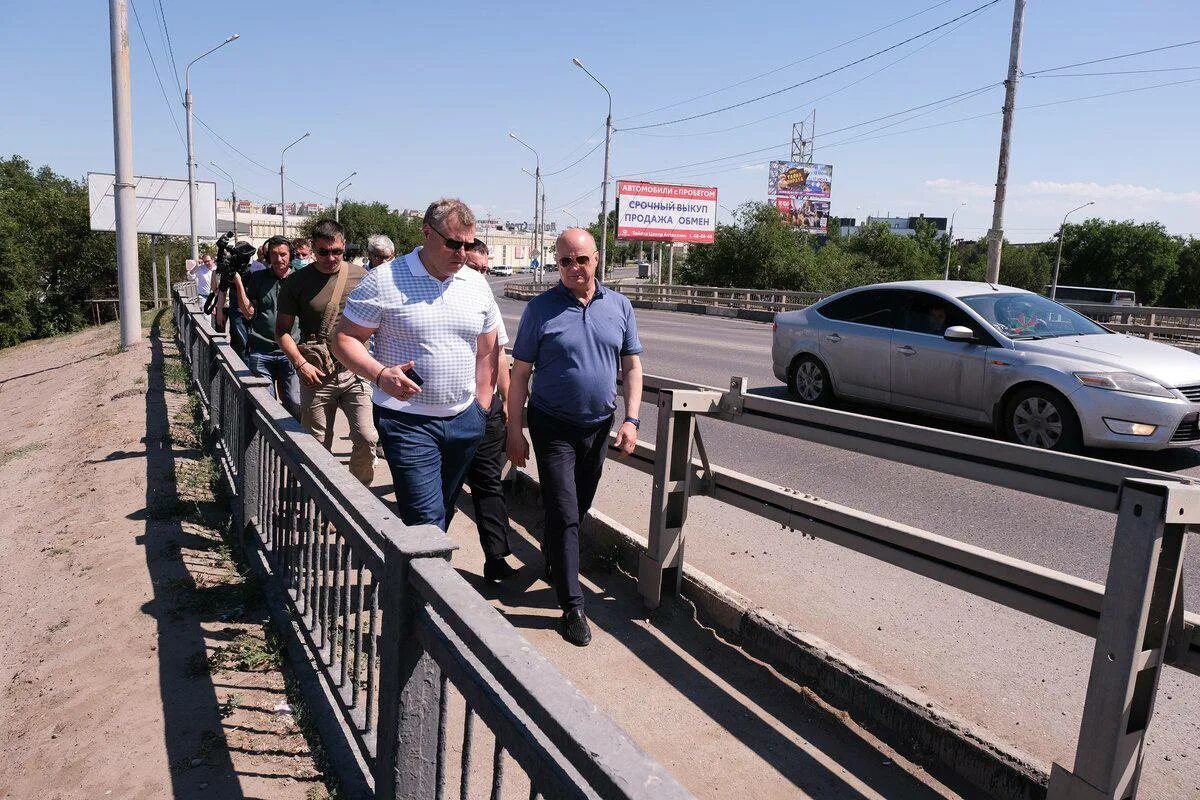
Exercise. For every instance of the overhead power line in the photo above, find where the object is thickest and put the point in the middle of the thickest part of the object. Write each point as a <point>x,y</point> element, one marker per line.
<point>813,101</point>
<point>1113,72</point>
<point>826,74</point>
<point>170,49</point>
<point>793,63</point>
<point>576,161</point>
<point>149,52</point>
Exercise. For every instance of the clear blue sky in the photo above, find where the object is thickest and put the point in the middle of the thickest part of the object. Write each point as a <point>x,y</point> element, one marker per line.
<point>420,99</point>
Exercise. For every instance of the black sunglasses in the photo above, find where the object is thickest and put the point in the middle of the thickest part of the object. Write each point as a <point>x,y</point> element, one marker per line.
<point>330,251</point>
<point>568,261</point>
<point>453,244</point>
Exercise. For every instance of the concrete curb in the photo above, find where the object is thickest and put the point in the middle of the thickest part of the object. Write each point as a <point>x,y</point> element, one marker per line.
<point>951,748</point>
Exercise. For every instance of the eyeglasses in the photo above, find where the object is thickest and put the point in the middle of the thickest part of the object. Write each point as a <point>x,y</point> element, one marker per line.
<point>452,244</point>
<point>582,261</point>
<point>330,251</point>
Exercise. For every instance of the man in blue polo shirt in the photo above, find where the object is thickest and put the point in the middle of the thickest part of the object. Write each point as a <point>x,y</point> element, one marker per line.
<point>577,335</point>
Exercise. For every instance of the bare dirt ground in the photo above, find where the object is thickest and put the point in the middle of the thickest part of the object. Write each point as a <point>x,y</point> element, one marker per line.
<point>135,659</point>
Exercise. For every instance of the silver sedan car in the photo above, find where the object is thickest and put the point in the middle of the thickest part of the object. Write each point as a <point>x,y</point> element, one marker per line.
<point>1038,372</point>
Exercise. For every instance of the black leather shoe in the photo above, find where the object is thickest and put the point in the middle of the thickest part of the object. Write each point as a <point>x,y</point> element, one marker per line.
<point>575,628</point>
<point>497,569</point>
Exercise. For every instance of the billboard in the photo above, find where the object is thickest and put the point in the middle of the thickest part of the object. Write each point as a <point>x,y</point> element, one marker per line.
<point>666,212</point>
<point>801,192</point>
<point>162,205</point>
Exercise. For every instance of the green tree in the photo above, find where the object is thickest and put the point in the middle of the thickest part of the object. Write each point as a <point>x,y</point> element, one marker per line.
<point>51,262</point>
<point>363,220</point>
<point>1183,290</point>
<point>1120,255</point>
<point>760,252</point>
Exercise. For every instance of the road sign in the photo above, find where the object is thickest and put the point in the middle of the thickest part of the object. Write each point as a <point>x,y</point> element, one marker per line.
<point>534,264</point>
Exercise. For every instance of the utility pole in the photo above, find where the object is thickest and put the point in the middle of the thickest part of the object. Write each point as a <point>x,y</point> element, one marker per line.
<point>1058,258</point>
<point>670,263</point>
<point>950,241</point>
<point>129,293</point>
<point>996,234</point>
<point>233,194</point>
<point>187,106</point>
<point>154,266</point>
<point>542,234</point>
<point>337,195</point>
<point>282,195</point>
<point>608,129</point>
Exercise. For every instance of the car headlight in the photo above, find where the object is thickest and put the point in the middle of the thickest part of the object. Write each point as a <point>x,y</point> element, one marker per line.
<point>1123,382</point>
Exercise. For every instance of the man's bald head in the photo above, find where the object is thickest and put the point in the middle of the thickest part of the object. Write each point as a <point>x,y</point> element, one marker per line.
<point>575,239</point>
<point>575,252</point>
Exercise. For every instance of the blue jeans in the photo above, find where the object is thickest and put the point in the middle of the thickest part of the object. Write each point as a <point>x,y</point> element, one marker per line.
<point>277,366</point>
<point>428,457</point>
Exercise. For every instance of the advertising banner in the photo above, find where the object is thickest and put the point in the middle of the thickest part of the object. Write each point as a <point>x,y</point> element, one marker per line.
<point>162,205</point>
<point>801,192</point>
<point>666,212</point>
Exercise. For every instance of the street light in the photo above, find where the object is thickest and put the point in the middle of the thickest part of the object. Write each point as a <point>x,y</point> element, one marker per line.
<point>191,157</point>
<point>950,241</point>
<point>282,197</point>
<point>571,214</point>
<point>607,151</point>
<point>537,190</point>
<point>233,195</point>
<point>337,195</point>
<point>1058,258</point>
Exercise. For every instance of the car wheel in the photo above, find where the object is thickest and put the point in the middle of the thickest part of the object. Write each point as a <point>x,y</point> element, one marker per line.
<point>810,381</point>
<point>1041,417</point>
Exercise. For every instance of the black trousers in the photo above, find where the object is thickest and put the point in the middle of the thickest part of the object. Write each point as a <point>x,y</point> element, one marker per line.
<point>570,459</point>
<point>487,495</point>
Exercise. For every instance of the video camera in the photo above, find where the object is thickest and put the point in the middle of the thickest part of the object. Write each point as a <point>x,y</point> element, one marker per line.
<point>231,260</point>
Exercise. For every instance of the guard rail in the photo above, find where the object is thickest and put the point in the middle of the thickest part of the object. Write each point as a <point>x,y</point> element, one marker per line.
<point>1177,326</point>
<point>384,621</point>
<point>1137,618</point>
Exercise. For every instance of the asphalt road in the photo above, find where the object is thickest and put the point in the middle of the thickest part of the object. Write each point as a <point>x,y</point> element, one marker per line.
<point>709,350</point>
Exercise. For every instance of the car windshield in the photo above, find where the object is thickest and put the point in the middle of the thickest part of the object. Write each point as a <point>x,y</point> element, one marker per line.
<point>1030,316</point>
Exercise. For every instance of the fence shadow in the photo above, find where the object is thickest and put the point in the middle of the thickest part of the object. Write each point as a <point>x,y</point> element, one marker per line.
<point>191,716</point>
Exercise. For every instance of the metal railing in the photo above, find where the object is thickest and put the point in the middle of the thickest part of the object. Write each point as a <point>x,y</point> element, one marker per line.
<point>1137,618</point>
<point>385,622</point>
<point>1177,326</point>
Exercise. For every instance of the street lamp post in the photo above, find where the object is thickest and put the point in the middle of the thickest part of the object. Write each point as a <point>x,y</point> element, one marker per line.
<point>282,196</point>
<point>191,157</point>
<point>1058,258</point>
<point>607,153</point>
<point>537,192</point>
<point>950,241</point>
<point>337,197</point>
<point>233,194</point>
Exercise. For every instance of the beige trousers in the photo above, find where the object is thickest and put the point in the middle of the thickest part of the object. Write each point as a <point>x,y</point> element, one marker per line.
<point>318,409</point>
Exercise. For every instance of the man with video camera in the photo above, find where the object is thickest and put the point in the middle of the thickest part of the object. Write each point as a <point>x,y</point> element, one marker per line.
<point>316,296</point>
<point>258,302</point>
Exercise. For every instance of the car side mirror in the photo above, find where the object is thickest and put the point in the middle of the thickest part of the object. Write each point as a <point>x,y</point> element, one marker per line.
<point>959,333</point>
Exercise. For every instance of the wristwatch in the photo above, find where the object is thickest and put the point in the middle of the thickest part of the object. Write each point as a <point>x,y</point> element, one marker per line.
<point>637,423</point>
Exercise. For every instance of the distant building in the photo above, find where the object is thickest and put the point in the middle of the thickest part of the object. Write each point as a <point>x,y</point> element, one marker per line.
<point>259,222</point>
<point>900,226</point>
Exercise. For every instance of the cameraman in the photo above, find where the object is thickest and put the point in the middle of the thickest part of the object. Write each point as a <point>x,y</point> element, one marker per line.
<point>258,302</point>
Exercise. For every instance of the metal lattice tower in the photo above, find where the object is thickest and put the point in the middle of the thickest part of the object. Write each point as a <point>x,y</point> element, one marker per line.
<point>803,134</point>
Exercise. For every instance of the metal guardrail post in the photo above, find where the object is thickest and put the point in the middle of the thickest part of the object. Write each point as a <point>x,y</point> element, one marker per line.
<point>661,566</point>
<point>410,681</point>
<point>1140,609</point>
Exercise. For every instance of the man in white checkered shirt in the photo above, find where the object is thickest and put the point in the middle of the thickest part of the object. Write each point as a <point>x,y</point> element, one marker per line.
<point>435,360</point>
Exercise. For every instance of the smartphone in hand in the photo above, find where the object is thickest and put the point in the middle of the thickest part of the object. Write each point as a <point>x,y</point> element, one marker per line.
<point>414,376</point>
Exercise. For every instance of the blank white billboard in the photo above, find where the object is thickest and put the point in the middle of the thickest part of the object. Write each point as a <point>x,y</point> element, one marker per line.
<point>162,205</point>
